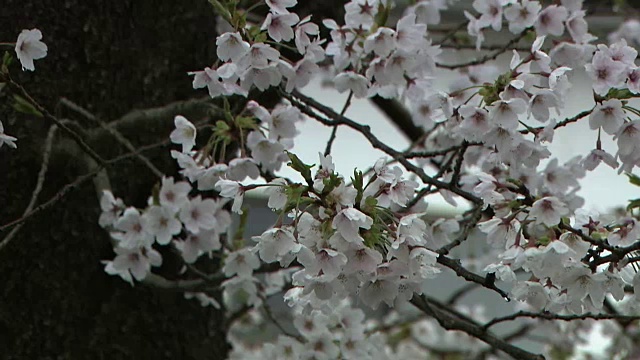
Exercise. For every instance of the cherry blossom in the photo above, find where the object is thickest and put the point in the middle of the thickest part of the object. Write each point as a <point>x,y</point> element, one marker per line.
<point>6,139</point>
<point>29,48</point>
<point>184,134</point>
<point>608,115</point>
<point>280,26</point>
<point>551,20</point>
<point>522,15</point>
<point>134,262</point>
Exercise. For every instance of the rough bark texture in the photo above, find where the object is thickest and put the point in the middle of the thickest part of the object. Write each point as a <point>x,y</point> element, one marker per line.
<point>110,57</point>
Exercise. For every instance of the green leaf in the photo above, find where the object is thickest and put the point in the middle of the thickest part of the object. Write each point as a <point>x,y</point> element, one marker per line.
<point>358,183</point>
<point>383,14</point>
<point>633,204</point>
<point>297,165</point>
<point>7,59</point>
<point>221,10</point>
<point>246,122</point>
<point>634,179</point>
<point>619,94</point>
<point>22,105</point>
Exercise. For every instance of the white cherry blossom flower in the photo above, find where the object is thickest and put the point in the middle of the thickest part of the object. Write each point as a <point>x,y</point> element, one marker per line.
<point>628,137</point>
<point>475,122</point>
<point>501,233</point>
<point>633,80</point>
<point>551,20</point>
<point>474,28</point>
<point>620,52</point>
<point>241,168</point>
<point>135,261</point>
<point>198,214</point>
<point>29,48</point>
<point>162,223</point>
<point>241,262</point>
<point>505,113</point>
<point>490,13</point>
<point>376,291</point>
<point>261,77</point>
<point>596,156</point>
<point>230,46</point>
<point>532,292</point>
<point>423,263</point>
<point>133,231</point>
<point>302,31</point>
<point>282,121</point>
<point>348,223</point>
<point>409,34</point>
<point>111,208</point>
<point>609,115</point>
<point>540,103</point>
<point>362,260</point>
<point>522,15</point>
<point>360,13</point>
<point>280,26</point>
<point>6,139</point>
<point>197,244</point>
<point>172,194</point>
<point>259,56</point>
<point>211,175</point>
<point>277,194</point>
<point>605,72</point>
<point>275,243</point>
<point>578,28</point>
<point>352,81</point>
<point>548,210</point>
<point>580,282</point>
<point>280,6</point>
<point>265,151</point>
<point>232,189</point>
<point>184,133</point>
<point>381,42</point>
<point>428,12</point>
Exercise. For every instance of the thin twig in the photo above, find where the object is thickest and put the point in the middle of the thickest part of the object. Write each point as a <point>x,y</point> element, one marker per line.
<point>332,138</point>
<point>47,115</point>
<point>46,155</point>
<point>115,133</point>
<point>453,320</point>
<point>373,140</point>
<point>551,316</point>
<point>487,57</point>
<point>79,181</point>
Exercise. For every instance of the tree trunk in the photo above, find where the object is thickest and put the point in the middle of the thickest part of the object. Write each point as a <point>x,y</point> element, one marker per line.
<point>110,57</point>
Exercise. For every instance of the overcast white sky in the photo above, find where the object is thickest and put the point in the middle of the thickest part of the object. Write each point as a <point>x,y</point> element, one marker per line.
<point>602,188</point>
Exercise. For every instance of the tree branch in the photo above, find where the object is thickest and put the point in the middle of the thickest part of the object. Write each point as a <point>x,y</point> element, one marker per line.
<point>452,320</point>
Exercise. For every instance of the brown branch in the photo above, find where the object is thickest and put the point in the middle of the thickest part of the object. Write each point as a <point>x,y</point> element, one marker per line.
<point>399,116</point>
<point>545,315</point>
<point>115,133</point>
<point>488,57</point>
<point>453,320</point>
<point>487,281</point>
<point>305,104</point>
<point>46,155</point>
<point>562,123</point>
<point>79,181</point>
<point>470,223</point>
<point>47,115</point>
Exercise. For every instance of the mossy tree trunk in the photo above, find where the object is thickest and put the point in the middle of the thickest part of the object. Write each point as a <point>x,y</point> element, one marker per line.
<point>110,57</point>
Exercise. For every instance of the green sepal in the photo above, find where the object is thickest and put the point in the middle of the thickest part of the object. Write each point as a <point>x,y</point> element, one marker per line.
<point>634,179</point>
<point>20,104</point>
<point>297,165</point>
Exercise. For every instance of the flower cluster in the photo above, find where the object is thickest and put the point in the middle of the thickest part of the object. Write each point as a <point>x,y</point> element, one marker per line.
<point>366,238</point>
<point>192,225</point>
